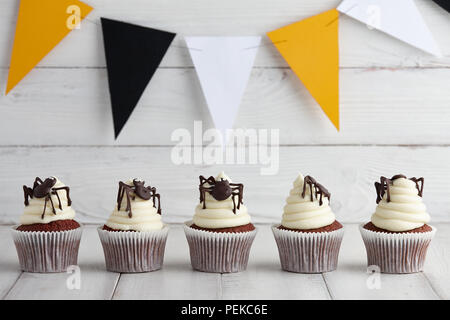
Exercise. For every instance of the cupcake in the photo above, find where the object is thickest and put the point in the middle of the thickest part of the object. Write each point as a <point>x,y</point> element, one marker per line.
<point>134,237</point>
<point>48,237</point>
<point>221,233</point>
<point>309,237</point>
<point>398,236</point>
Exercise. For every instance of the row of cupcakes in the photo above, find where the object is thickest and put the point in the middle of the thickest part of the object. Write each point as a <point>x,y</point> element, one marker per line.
<point>221,233</point>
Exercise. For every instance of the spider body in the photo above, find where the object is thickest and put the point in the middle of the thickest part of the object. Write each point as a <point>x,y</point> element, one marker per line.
<point>139,189</point>
<point>45,189</point>
<point>221,190</point>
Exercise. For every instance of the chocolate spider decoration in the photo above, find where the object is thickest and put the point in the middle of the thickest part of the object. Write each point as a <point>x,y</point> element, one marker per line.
<point>221,190</point>
<point>383,187</point>
<point>139,189</point>
<point>45,189</point>
<point>319,190</point>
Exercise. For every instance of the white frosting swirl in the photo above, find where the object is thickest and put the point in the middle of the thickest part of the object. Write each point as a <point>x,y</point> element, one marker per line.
<point>219,214</point>
<point>144,216</point>
<point>302,213</point>
<point>33,211</point>
<point>405,210</point>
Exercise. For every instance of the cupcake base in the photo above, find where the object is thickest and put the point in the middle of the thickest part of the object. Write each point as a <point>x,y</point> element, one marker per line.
<point>47,252</point>
<point>131,251</point>
<point>396,252</point>
<point>306,252</point>
<point>219,252</point>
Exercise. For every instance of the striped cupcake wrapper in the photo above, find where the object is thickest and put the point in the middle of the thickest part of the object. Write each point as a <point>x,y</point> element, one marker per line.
<point>132,252</point>
<point>46,252</point>
<point>219,252</point>
<point>396,252</point>
<point>303,252</point>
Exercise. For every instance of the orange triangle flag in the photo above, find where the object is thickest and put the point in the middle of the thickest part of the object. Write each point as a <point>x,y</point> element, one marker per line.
<point>41,25</point>
<point>311,48</point>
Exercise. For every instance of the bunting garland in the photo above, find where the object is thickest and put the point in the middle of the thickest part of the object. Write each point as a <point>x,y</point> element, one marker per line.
<point>133,53</point>
<point>311,48</point>
<point>223,64</point>
<point>444,4</point>
<point>41,25</point>
<point>400,19</point>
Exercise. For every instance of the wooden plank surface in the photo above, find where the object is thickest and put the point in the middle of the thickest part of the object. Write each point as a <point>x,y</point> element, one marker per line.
<point>262,280</point>
<point>9,263</point>
<point>95,283</point>
<point>437,265</point>
<point>348,172</point>
<point>359,46</point>
<point>71,107</point>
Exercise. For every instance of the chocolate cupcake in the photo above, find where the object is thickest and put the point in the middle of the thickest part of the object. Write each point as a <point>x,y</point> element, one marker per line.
<point>134,237</point>
<point>398,236</point>
<point>48,238</point>
<point>309,237</point>
<point>221,233</point>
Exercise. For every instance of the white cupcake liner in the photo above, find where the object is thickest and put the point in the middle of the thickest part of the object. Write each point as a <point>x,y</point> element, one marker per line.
<point>304,252</point>
<point>45,252</point>
<point>396,252</point>
<point>218,252</point>
<point>130,252</point>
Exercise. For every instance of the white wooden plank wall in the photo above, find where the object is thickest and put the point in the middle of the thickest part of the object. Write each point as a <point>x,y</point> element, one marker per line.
<point>395,113</point>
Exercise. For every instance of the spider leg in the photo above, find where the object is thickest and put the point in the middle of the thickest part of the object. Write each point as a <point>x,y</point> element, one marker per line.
<point>51,202</point>
<point>157,196</point>
<point>119,196</point>
<point>28,193</point>
<point>45,207</point>
<point>67,189</point>
<point>202,194</point>
<point>57,196</point>
<point>238,190</point>
<point>128,208</point>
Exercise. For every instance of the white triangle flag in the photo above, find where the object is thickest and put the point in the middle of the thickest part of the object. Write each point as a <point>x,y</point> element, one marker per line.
<point>223,67</point>
<point>398,18</point>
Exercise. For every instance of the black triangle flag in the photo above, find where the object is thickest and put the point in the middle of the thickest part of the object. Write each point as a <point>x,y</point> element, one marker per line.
<point>444,4</point>
<point>133,53</point>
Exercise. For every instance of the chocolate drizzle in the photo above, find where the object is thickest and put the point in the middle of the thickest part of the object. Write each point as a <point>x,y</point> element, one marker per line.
<point>45,189</point>
<point>383,187</point>
<point>319,190</point>
<point>137,189</point>
<point>221,190</point>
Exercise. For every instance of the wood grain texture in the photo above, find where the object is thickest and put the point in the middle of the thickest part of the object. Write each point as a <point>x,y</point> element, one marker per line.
<point>348,172</point>
<point>177,280</point>
<point>71,107</point>
<point>359,46</point>
<point>96,283</point>
<point>9,263</point>
<point>438,262</point>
